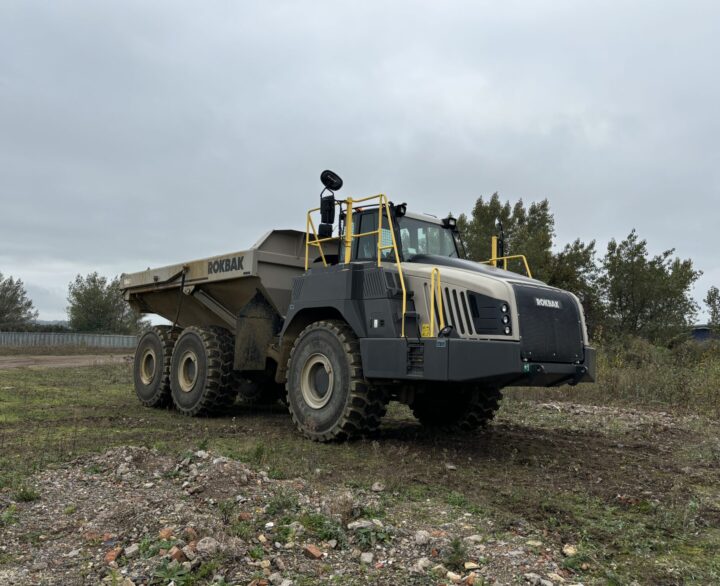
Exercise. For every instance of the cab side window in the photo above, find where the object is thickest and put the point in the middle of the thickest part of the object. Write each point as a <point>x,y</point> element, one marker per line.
<point>367,245</point>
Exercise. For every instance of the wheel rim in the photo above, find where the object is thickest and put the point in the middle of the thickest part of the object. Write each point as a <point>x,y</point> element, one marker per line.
<point>188,371</point>
<point>316,381</point>
<point>147,366</point>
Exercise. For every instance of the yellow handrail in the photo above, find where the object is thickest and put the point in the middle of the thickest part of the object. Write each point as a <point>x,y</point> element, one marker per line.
<point>494,261</point>
<point>436,291</point>
<point>494,258</point>
<point>383,204</point>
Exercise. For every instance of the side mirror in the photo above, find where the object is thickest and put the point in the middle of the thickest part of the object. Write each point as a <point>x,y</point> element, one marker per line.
<point>330,180</point>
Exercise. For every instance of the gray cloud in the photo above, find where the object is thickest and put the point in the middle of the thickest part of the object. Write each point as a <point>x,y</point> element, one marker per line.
<point>135,134</point>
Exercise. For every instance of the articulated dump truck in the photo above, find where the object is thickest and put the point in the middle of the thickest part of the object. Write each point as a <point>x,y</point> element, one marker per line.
<point>372,303</point>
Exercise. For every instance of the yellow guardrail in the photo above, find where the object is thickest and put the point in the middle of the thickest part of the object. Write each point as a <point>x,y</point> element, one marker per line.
<point>436,292</point>
<point>383,209</point>
<point>495,259</point>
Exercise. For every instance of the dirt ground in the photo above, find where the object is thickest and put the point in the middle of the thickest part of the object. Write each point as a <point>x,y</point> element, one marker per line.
<point>49,361</point>
<point>553,492</point>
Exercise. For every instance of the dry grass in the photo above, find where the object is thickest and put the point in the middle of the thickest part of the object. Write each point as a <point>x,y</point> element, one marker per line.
<point>633,372</point>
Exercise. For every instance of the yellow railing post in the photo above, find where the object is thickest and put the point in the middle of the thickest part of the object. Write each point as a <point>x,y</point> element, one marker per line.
<point>493,250</point>
<point>435,290</point>
<point>307,241</point>
<point>348,230</point>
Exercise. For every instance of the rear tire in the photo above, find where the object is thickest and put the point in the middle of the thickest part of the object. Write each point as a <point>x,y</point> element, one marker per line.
<point>151,367</point>
<point>467,409</point>
<point>327,395</point>
<point>201,371</point>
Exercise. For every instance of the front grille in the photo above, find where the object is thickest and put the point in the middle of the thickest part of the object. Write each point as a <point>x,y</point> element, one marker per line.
<point>471,314</point>
<point>550,326</point>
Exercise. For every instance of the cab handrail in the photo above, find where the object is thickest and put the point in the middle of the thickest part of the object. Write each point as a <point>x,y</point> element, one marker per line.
<point>383,209</point>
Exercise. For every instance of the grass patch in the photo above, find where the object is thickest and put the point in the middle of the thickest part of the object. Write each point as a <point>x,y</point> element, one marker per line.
<point>8,516</point>
<point>324,528</point>
<point>26,494</point>
<point>281,501</point>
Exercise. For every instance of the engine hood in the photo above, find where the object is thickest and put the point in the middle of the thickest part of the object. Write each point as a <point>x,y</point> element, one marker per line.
<point>471,266</point>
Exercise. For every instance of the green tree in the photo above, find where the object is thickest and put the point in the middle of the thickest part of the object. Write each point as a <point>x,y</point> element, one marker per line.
<point>528,231</point>
<point>16,310</point>
<point>712,300</point>
<point>644,296</point>
<point>575,269</point>
<point>96,305</point>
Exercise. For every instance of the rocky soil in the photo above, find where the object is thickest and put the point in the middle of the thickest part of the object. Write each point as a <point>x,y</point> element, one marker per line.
<point>133,516</point>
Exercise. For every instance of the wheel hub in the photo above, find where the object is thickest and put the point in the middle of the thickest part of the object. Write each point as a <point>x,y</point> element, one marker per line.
<point>147,366</point>
<point>188,371</point>
<point>316,381</point>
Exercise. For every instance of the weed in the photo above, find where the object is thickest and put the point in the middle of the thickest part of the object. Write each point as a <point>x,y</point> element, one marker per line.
<point>8,516</point>
<point>281,501</point>
<point>177,574</point>
<point>456,554</point>
<point>372,512</point>
<point>207,569</point>
<point>256,553</point>
<point>227,509</point>
<point>26,494</point>
<point>257,455</point>
<point>150,547</point>
<point>284,533</point>
<point>324,528</point>
<point>368,537</point>
<point>456,499</point>
<point>242,529</point>
<point>70,509</point>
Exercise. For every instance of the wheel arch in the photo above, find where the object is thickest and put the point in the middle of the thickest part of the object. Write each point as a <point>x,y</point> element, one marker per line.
<point>298,322</point>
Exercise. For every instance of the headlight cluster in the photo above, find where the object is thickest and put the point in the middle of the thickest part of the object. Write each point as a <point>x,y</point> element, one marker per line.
<point>505,319</point>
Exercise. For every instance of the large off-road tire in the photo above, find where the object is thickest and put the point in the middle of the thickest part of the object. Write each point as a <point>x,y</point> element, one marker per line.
<point>201,371</point>
<point>327,395</point>
<point>468,408</point>
<point>151,367</point>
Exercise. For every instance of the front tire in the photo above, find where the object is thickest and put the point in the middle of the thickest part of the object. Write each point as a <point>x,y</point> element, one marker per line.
<point>469,408</point>
<point>201,371</point>
<point>151,367</point>
<point>327,395</point>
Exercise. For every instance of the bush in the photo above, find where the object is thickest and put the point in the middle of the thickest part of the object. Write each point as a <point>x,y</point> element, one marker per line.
<point>633,371</point>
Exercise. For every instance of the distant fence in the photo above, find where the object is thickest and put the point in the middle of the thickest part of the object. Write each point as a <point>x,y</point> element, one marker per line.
<point>66,339</point>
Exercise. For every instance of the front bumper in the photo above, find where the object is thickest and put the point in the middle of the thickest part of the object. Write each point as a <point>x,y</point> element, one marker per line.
<point>493,362</point>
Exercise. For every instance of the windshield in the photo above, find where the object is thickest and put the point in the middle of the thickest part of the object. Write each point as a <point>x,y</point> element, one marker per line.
<point>418,237</point>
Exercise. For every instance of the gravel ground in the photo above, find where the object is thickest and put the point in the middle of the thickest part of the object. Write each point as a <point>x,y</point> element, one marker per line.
<point>135,516</point>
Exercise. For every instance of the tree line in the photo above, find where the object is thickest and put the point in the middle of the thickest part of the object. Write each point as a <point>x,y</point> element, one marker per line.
<point>95,305</point>
<point>626,291</point>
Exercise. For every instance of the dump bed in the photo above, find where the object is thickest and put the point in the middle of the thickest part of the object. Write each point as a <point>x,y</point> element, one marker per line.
<point>212,291</point>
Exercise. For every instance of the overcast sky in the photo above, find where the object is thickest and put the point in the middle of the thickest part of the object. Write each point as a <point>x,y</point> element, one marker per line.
<point>136,134</point>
